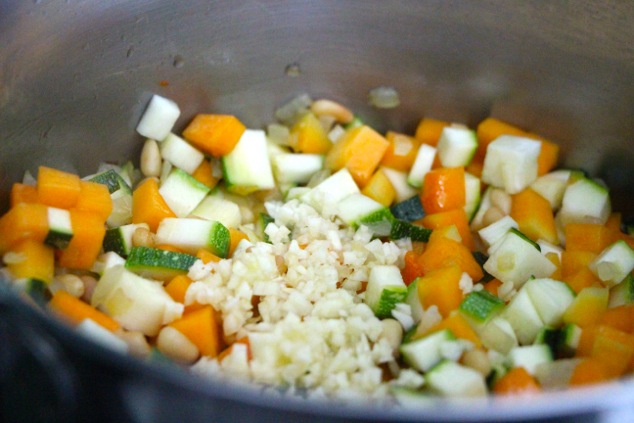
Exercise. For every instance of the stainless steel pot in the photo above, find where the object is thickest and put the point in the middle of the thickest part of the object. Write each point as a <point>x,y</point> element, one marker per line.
<point>75,76</point>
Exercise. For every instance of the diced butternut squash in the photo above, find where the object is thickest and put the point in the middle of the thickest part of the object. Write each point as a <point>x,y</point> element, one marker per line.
<point>455,217</point>
<point>401,152</point>
<point>380,189</point>
<point>94,198</point>
<point>492,286</point>
<point>548,157</point>
<point>24,221</point>
<point>554,259</point>
<point>589,371</point>
<point>207,256</point>
<point>489,129</point>
<point>57,188</point>
<point>445,252</point>
<point>32,259</point>
<point>459,326</point>
<point>84,247</point>
<point>588,237</point>
<point>204,174</point>
<point>443,189</point>
<point>517,381</point>
<point>308,136</point>
<point>360,150</point>
<point>412,268</point>
<point>440,287</point>
<point>213,134</point>
<point>21,193</point>
<point>201,327</point>
<point>588,307</point>
<point>177,288</point>
<point>236,236</point>
<point>428,131</point>
<point>75,311</point>
<point>621,318</point>
<point>573,261</point>
<point>614,348</point>
<point>583,278</point>
<point>242,341</point>
<point>534,216</point>
<point>148,206</point>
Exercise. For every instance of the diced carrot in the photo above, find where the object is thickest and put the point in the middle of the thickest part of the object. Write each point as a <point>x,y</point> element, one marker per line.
<point>443,189</point>
<point>554,259</point>
<point>360,150</point>
<point>588,237</point>
<point>84,247</point>
<point>148,206</point>
<point>213,134</point>
<point>573,261</point>
<point>24,221</point>
<point>201,327</point>
<point>177,288</point>
<point>94,198</point>
<point>589,371</point>
<point>517,381</point>
<point>455,217</point>
<point>534,216</point>
<point>236,236</point>
<point>34,260</point>
<point>204,174</point>
<point>75,311</point>
<point>492,286</point>
<point>445,252</point>
<point>588,307</point>
<point>548,157</point>
<point>583,278</point>
<point>380,189</point>
<point>21,193</point>
<point>459,326</point>
<point>412,268</point>
<point>401,152</point>
<point>440,287</point>
<point>207,256</point>
<point>57,188</point>
<point>491,128</point>
<point>621,318</point>
<point>308,136</point>
<point>428,131</point>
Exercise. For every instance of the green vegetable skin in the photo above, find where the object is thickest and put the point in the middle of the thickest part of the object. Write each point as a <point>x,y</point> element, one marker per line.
<point>158,264</point>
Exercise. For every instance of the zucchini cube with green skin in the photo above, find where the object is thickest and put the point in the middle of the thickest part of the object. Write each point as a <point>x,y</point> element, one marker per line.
<point>263,220</point>
<point>456,146</point>
<point>451,379</point>
<point>480,306</point>
<point>424,353</point>
<point>36,289</point>
<point>60,228</point>
<point>112,180</point>
<point>523,317</point>
<point>216,207</point>
<point>357,207</point>
<point>584,201</point>
<point>296,168</point>
<point>498,334</point>
<point>247,168</point>
<point>408,210</point>
<point>555,375</point>
<point>472,194</point>
<point>511,163</point>
<point>158,118</point>
<point>530,357</point>
<point>622,293</point>
<point>413,300</point>
<point>516,259</point>
<point>399,182</point>
<point>552,186</point>
<point>135,302</point>
<point>158,264</point>
<point>563,342</point>
<point>180,153</point>
<point>384,290</point>
<point>422,164</point>
<point>401,229</point>
<point>182,192</point>
<point>119,240</point>
<point>551,299</point>
<point>192,235</point>
<point>332,190</point>
<point>614,263</point>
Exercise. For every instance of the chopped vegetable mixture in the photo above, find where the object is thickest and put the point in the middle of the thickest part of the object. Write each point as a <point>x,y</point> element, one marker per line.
<point>322,256</point>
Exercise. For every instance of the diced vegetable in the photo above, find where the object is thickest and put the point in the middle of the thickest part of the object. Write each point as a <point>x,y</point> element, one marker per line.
<point>441,287</point>
<point>180,153</point>
<point>57,188</point>
<point>182,192</point>
<point>158,264</point>
<point>614,263</point>
<point>443,190</point>
<point>201,327</point>
<point>308,136</point>
<point>401,152</point>
<point>454,380</point>
<point>84,247</point>
<point>456,146</point>
<point>424,353</point>
<point>385,289</point>
<point>216,135</point>
<point>159,118</point>
<point>76,311</point>
<point>149,206</point>
<point>32,259</point>
<point>511,163</point>
<point>380,189</point>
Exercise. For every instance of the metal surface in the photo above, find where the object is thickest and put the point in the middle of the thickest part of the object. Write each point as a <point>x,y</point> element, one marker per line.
<point>75,76</point>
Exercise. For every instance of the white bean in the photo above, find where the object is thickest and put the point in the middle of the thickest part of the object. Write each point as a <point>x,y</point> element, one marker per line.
<point>477,360</point>
<point>142,237</point>
<point>150,158</point>
<point>392,332</point>
<point>71,284</point>
<point>176,346</point>
<point>491,216</point>
<point>136,341</point>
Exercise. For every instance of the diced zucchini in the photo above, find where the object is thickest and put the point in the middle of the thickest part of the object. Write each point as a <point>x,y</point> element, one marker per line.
<point>523,317</point>
<point>584,201</point>
<point>331,190</point>
<point>180,153</point>
<point>192,235</point>
<point>182,192</point>
<point>112,179</point>
<point>498,335</point>
<point>614,263</point>
<point>424,353</point>
<point>551,298</point>
<point>119,240</point>
<point>472,192</point>
<point>380,222</point>
<point>530,357</point>
<point>546,247</point>
<point>451,379</point>
<point>555,375</point>
<point>511,163</point>
<point>413,300</point>
<point>121,213</point>
<point>622,293</point>
<point>552,186</point>
<point>158,264</point>
<point>384,290</point>
<point>398,180</point>
<point>516,259</point>
<point>159,118</point>
<point>263,220</point>
<point>216,207</point>
<point>496,231</point>
<point>408,210</point>
<point>247,168</point>
<point>480,306</point>
<point>105,261</point>
<point>296,168</point>
<point>36,289</point>
<point>356,207</point>
<point>135,302</point>
<point>401,229</point>
<point>563,342</point>
<point>422,164</point>
<point>456,146</point>
<point>60,229</point>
